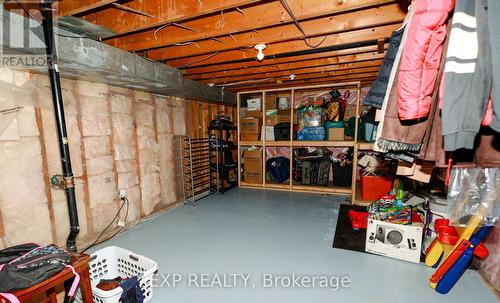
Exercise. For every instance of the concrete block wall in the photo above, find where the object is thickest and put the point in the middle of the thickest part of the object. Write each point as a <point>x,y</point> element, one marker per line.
<point>119,139</point>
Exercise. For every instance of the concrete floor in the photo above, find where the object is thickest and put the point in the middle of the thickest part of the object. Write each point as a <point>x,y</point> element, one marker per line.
<point>258,232</point>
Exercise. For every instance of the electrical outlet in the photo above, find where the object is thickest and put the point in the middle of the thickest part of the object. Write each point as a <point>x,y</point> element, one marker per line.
<point>123,193</point>
<point>121,223</point>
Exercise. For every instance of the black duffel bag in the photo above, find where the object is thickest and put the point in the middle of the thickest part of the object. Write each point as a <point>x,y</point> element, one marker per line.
<point>282,131</point>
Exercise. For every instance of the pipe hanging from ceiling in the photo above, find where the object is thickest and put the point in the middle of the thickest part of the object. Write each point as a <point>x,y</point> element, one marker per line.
<point>55,83</point>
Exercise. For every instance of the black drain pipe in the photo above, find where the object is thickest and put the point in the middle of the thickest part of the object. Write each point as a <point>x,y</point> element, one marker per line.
<point>55,82</point>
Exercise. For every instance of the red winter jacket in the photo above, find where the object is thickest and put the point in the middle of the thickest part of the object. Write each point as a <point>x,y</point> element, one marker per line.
<point>421,56</point>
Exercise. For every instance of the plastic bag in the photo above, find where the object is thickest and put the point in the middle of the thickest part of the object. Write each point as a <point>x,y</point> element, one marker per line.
<point>474,192</point>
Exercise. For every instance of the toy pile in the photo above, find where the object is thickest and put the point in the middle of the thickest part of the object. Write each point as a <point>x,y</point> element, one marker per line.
<point>390,209</point>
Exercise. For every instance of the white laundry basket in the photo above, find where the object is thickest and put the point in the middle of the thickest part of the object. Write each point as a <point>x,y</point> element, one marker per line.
<point>112,262</point>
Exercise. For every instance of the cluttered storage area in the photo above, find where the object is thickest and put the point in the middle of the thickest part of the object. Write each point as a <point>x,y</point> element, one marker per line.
<point>250,151</point>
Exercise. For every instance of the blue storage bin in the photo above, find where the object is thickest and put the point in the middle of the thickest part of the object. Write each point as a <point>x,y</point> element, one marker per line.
<point>369,131</point>
<point>311,134</point>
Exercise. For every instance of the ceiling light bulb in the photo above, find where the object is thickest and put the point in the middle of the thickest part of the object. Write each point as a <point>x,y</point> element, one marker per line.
<point>260,55</point>
<point>260,48</point>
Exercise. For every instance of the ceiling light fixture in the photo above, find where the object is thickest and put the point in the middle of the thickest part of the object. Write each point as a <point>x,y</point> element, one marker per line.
<point>260,48</point>
<point>292,77</point>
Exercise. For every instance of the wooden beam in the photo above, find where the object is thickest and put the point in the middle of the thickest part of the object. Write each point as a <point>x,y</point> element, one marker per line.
<point>72,8</point>
<point>372,17</point>
<point>285,47</point>
<point>228,67</point>
<point>290,67</point>
<point>309,76</point>
<point>164,12</point>
<point>298,72</point>
<point>257,86</point>
<point>266,14</point>
<point>290,83</point>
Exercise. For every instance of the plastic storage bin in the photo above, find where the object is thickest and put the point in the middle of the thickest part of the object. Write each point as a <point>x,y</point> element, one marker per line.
<point>113,261</point>
<point>373,187</point>
<point>311,134</point>
<point>369,131</point>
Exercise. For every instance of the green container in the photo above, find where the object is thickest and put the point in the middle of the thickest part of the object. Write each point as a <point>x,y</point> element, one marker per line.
<point>333,124</point>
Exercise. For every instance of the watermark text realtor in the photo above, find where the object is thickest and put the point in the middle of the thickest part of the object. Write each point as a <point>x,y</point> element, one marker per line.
<point>244,280</point>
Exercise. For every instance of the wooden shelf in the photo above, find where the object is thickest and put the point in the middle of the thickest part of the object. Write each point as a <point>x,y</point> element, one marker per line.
<point>365,145</point>
<point>322,143</point>
<point>278,143</point>
<point>285,185</point>
<point>248,184</point>
<point>290,144</point>
<point>323,189</point>
<point>251,143</point>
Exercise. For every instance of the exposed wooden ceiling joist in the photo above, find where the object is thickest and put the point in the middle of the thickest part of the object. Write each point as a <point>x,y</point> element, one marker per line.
<point>164,12</point>
<point>270,62</point>
<point>78,7</point>
<point>286,47</point>
<point>266,14</point>
<point>293,67</point>
<point>347,69</point>
<point>212,41</point>
<point>367,77</point>
<point>373,17</point>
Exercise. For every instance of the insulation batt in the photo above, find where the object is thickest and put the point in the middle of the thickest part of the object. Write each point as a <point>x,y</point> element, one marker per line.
<point>119,138</point>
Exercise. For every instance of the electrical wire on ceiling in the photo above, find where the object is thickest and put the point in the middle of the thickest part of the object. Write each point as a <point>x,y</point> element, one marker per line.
<point>254,30</point>
<point>187,43</point>
<point>243,82</point>
<point>217,40</point>
<point>243,50</point>
<point>199,60</point>
<point>129,9</point>
<point>174,24</point>
<point>222,23</point>
<point>274,57</point>
<point>242,12</point>
<point>297,24</point>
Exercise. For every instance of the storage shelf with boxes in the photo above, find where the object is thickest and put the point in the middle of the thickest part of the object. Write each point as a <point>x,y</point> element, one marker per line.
<point>317,118</point>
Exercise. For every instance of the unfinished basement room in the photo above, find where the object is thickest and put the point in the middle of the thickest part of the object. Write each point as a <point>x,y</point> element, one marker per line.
<point>249,151</point>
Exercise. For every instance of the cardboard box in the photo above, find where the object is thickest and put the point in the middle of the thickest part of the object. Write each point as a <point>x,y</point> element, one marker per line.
<point>249,137</point>
<point>250,125</point>
<point>254,103</point>
<point>398,241</point>
<point>271,117</point>
<point>253,166</point>
<point>271,102</point>
<point>336,134</point>
<point>284,116</point>
<point>253,114</point>
<point>267,131</point>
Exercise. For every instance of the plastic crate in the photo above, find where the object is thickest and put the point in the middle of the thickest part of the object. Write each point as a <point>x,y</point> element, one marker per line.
<point>373,187</point>
<point>311,134</point>
<point>113,261</point>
